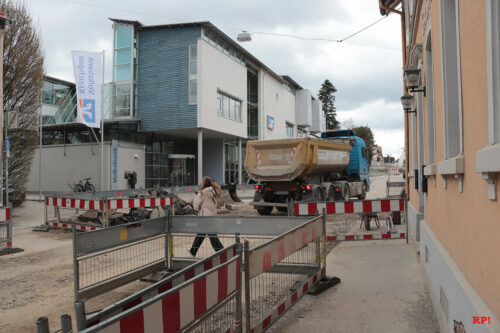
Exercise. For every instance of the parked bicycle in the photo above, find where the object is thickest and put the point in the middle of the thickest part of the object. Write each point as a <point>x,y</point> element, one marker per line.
<point>83,187</point>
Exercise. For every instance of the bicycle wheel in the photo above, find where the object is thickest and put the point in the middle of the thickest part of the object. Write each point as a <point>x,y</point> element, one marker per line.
<point>90,188</point>
<point>79,188</point>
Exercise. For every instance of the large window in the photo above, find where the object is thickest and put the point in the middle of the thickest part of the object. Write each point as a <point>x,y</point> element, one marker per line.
<point>493,56</point>
<point>228,107</point>
<point>451,78</point>
<point>123,52</point>
<point>122,100</point>
<point>193,70</point>
<point>429,83</point>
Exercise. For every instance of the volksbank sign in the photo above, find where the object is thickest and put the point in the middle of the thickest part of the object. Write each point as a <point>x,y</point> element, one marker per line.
<point>87,67</point>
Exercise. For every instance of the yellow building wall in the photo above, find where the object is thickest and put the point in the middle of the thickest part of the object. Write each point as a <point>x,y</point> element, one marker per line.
<point>467,224</point>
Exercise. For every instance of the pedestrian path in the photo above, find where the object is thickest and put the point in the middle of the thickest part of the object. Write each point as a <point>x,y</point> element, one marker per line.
<point>382,290</point>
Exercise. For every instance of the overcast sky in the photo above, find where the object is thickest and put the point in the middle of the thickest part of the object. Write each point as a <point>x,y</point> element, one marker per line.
<point>366,68</point>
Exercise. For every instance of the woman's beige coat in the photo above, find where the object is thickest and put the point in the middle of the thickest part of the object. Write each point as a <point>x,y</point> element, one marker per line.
<point>205,203</point>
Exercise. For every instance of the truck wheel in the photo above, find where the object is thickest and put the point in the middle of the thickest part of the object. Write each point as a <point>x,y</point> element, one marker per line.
<point>345,193</point>
<point>367,223</point>
<point>264,210</point>
<point>330,196</point>
<point>364,187</point>
<point>317,194</point>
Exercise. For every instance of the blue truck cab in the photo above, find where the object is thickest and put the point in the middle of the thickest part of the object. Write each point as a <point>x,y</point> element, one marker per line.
<point>358,169</point>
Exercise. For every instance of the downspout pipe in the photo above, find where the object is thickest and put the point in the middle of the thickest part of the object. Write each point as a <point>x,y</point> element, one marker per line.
<point>405,90</point>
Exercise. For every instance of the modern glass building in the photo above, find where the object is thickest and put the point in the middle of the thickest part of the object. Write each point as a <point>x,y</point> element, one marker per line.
<point>192,96</point>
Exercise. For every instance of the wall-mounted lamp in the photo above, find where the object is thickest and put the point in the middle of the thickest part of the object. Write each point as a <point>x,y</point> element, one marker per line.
<point>244,37</point>
<point>412,78</point>
<point>407,102</point>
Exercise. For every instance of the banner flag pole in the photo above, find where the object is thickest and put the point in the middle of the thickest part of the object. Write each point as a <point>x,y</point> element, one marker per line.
<point>102,124</point>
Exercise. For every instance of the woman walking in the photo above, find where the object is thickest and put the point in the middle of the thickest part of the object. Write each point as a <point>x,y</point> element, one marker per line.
<point>205,203</point>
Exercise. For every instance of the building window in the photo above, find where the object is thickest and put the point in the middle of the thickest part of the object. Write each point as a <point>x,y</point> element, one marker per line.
<point>301,132</point>
<point>451,78</point>
<point>193,93</point>
<point>124,35</point>
<point>193,57</point>
<point>429,83</point>
<point>122,100</point>
<point>228,107</point>
<point>289,130</point>
<point>223,47</point>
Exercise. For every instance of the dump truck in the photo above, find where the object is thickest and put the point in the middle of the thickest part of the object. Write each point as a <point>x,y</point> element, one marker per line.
<point>332,168</point>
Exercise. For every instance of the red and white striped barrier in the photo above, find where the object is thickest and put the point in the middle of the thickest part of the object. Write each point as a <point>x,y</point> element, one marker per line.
<point>263,258</point>
<point>74,203</point>
<point>177,309</point>
<point>5,223</point>
<point>4,214</point>
<point>162,286</point>
<point>288,303</point>
<point>400,235</point>
<point>141,202</point>
<point>367,206</point>
<point>64,225</point>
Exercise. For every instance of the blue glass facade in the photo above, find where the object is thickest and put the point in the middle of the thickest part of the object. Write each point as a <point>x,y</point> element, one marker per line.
<point>163,78</point>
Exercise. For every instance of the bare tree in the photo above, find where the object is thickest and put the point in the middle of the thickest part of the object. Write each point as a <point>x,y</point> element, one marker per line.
<point>23,81</point>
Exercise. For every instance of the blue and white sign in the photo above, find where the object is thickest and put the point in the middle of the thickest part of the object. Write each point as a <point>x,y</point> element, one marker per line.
<point>87,67</point>
<point>270,122</point>
<point>114,165</point>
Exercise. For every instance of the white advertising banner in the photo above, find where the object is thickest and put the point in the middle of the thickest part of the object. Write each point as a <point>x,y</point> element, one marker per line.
<point>87,67</point>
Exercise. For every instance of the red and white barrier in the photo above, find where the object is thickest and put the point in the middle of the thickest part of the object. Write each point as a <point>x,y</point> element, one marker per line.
<point>4,214</point>
<point>141,202</point>
<point>70,226</point>
<point>161,286</point>
<point>73,203</point>
<point>288,303</point>
<point>367,206</point>
<point>263,258</point>
<point>399,235</point>
<point>174,311</point>
<point>6,223</point>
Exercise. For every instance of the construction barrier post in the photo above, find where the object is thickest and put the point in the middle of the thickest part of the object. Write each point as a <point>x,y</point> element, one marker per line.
<point>168,263</point>
<point>76,273</point>
<point>238,318</point>
<point>42,325</point>
<point>406,219</point>
<point>45,217</point>
<point>246,256</point>
<point>66,324</point>
<point>323,236</point>
<point>81,321</point>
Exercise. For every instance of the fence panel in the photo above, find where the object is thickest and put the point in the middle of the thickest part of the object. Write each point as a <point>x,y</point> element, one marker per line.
<point>5,228</point>
<point>108,258</point>
<point>65,210</point>
<point>280,271</point>
<point>359,220</point>
<point>180,307</point>
<point>163,285</point>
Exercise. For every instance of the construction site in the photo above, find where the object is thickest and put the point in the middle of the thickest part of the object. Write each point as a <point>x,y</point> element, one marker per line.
<point>323,167</point>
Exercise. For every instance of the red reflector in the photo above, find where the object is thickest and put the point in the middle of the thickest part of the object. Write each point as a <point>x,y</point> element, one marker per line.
<point>337,189</point>
<point>258,187</point>
<point>269,189</point>
<point>306,187</point>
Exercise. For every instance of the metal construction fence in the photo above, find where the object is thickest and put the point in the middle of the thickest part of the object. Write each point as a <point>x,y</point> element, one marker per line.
<point>67,207</point>
<point>207,295</point>
<point>283,258</point>
<point>359,220</point>
<point>5,228</point>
